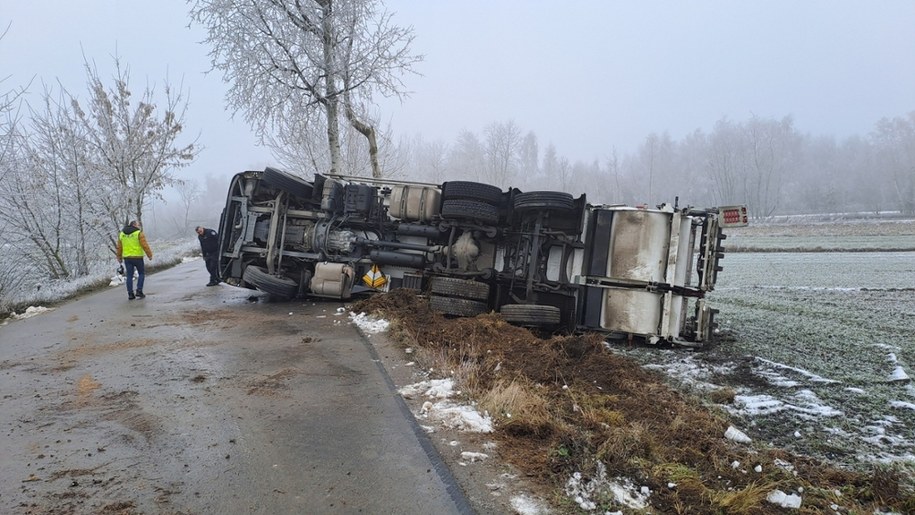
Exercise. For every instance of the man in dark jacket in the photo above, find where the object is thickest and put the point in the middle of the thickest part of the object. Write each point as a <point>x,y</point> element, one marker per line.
<point>209,247</point>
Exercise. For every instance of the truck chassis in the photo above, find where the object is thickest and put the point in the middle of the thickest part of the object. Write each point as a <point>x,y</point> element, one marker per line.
<point>542,259</point>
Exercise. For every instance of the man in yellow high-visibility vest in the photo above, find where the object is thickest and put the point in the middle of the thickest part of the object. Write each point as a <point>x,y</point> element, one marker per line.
<point>131,246</point>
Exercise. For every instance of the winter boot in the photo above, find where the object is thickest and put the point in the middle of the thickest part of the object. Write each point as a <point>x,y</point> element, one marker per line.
<point>130,295</point>
<point>140,294</point>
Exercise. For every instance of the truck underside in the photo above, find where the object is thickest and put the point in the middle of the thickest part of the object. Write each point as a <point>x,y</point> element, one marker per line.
<point>542,258</point>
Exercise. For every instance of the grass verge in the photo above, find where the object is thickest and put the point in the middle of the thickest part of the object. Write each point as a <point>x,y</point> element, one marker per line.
<point>580,421</point>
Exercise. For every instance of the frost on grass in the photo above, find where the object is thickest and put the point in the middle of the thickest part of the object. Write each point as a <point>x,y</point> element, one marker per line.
<point>830,340</point>
<point>369,324</point>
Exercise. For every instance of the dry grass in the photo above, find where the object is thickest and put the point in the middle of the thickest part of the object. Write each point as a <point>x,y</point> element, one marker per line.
<point>747,500</point>
<point>516,406</point>
<point>563,404</point>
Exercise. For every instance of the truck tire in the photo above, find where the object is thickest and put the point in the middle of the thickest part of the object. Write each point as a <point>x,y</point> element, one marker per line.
<point>282,287</point>
<point>470,210</point>
<point>531,314</point>
<point>461,288</point>
<point>542,200</point>
<point>457,307</point>
<point>466,190</point>
<point>289,183</point>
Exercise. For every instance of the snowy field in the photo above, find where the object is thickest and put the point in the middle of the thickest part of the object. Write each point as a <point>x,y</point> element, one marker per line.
<point>819,348</point>
<point>842,235</point>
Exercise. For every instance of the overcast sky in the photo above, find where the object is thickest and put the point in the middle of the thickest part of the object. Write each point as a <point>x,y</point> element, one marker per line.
<point>585,75</point>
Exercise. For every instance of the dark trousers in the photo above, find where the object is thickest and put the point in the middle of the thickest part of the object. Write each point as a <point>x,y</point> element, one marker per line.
<point>131,264</point>
<point>212,262</point>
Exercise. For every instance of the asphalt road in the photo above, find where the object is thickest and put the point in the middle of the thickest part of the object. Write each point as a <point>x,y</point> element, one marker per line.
<point>206,400</point>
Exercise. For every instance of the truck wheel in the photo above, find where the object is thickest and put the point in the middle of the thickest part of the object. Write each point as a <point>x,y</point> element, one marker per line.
<point>289,183</point>
<point>470,210</point>
<point>531,314</point>
<point>282,287</point>
<point>461,288</point>
<point>542,200</point>
<point>465,190</point>
<point>457,307</point>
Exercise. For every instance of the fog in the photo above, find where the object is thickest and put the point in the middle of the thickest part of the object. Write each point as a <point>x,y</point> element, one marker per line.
<point>787,107</point>
<point>631,99</point>
<point>587,76</point>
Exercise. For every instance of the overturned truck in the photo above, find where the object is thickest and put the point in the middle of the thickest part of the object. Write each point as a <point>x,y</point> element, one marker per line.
<point>540,258</point>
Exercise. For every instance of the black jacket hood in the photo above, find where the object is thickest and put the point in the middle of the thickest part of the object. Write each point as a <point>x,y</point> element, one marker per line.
<point>129,229</point>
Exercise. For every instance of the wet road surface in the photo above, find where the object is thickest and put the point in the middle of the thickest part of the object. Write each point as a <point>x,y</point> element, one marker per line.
<point>206,400</point>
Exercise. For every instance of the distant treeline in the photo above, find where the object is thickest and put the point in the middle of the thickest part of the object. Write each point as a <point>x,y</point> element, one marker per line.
<point>761,162</point>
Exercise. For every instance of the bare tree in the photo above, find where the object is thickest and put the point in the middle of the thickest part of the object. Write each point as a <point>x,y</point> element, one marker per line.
<point>613,171</point>
<point>190,193</point>
<point>58,153</point>
<point>294,59</point>
<point>132,150</point>
<point>648,156</point>
<point>430,160</point>
<point>467,159</point>
<point>30,206</point>
<point>550,166</point>
<point>502,143</point>
<point>564,174</point>
<point>11,275</point>
<point>860,159</point>
<point>895,138</point>
<point>694,185</point>
<point>529,155</point>
<point>772,152</point>
<point>9,116</point>
<point>725,162</point>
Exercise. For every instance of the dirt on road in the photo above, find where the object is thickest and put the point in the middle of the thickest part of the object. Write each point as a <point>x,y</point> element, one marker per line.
<point>206,400</point>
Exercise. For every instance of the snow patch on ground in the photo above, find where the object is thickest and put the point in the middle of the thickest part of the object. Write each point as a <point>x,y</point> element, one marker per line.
<point>784,500</point>
<point>433,389</point>
<point>736,435</point>
<point>809,375</point>
<point>809,404</point>
<point>30,312</point>
<point>369,324</point>
<point>587,492</point>
<point>449,414</point>
<point>804,402</point>
<point>754,405</point>
<point>687,369</point>
<point>474,456</point>
<point>525,505</point>
<point>460,417</point>
<point>898,374</point>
